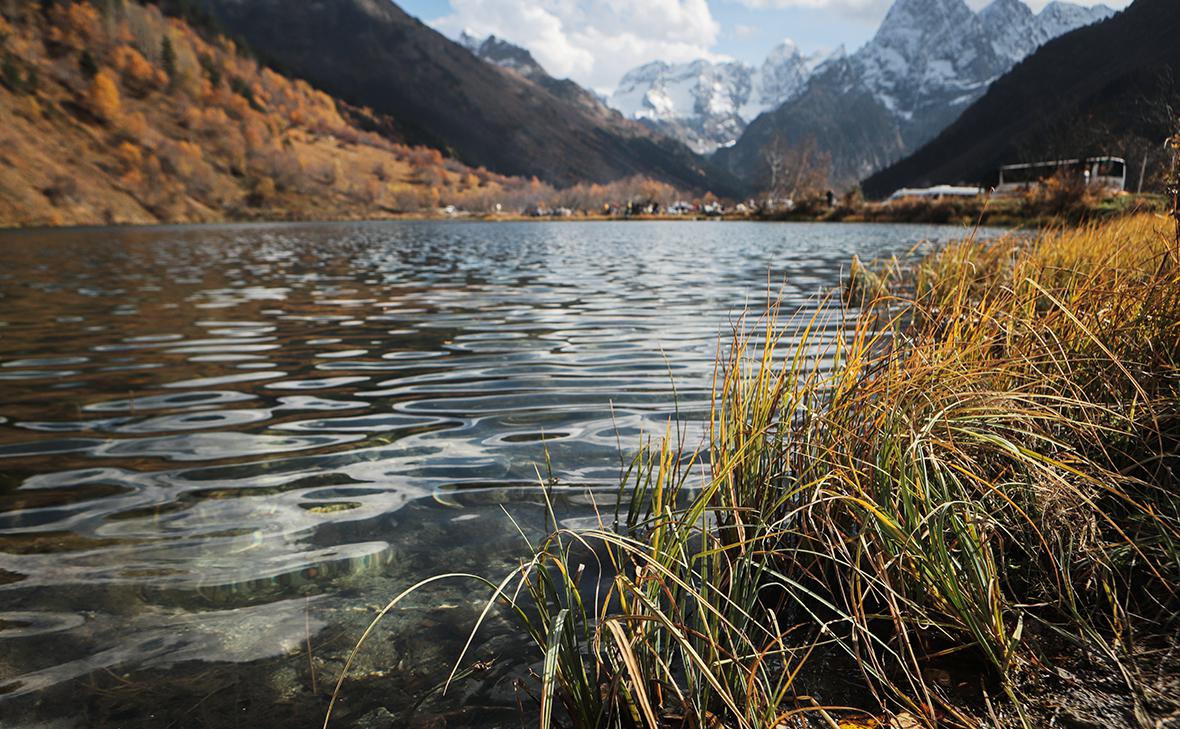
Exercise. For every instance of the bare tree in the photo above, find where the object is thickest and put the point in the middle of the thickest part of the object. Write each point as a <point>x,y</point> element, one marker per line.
<point>796,171</point>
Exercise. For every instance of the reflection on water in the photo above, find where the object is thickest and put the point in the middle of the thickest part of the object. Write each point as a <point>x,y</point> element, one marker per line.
<point>222,448</point>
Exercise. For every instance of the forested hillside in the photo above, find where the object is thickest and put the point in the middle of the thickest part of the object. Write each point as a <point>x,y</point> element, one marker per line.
<point>118,113</point>
<point>1108,89</point>
<point>372,52</point>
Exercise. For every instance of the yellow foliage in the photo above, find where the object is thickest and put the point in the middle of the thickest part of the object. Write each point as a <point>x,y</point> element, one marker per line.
<point>190,149</point>
<point>134,126</point>
<point>138,73</point>
<point>103,97</point>
<point>264,188</point>
<point>74,24</point>
<point>132,178</point>
<point>129,155</point>
<point>256,135</point>
<point>216,119</point>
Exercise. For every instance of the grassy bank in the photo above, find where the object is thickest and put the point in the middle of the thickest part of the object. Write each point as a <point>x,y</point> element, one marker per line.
<point>1040,207</point>
<point>971,519</point>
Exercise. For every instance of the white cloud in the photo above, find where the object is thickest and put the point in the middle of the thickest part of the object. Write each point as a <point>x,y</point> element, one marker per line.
<point>854,7</point>
<point>1037,5</point>
<point>878,7</point>
<point>593,42</point>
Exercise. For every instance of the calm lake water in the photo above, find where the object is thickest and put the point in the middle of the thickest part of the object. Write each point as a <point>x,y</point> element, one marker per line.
<point>222,448</point>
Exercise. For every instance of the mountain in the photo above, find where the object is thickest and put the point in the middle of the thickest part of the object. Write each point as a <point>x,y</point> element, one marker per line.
<point>519,61</point>
<point>97,128</point>
<point>929,60</point>
<point>1107,89</point>
<point>372,53</point>
<point>707,104</point>
<point>505,55</point>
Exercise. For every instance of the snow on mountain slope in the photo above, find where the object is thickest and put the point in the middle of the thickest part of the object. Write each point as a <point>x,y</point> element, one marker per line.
<point>1015,31</point>
<point>939,54</point>
<point>707,103</point>
<point>927,62</point>
<point>1058,18</point>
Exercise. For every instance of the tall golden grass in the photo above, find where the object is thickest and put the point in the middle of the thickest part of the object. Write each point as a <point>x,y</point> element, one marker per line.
<point>979,471</point>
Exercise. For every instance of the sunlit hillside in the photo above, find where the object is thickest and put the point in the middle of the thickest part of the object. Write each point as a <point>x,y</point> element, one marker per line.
<point>116,113</point>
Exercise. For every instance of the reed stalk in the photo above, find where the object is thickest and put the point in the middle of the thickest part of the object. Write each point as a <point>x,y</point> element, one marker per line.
<point>978,471</point>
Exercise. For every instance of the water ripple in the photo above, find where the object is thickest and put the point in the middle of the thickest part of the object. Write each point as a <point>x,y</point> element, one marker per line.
<point>219,442</point>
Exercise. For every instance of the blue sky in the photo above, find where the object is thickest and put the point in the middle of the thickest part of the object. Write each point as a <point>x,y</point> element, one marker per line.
<point>595,41</point>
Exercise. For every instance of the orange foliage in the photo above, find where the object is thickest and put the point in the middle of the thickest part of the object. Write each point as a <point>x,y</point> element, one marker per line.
<point>130,158</point>
<point>256,135</point>
<point>134,127</point>
<point>103,97</point>
<point>253,137</point>
<point>424,157</point>
<point>129,155</point>
<point>138,74</point>
<point>74,24</point>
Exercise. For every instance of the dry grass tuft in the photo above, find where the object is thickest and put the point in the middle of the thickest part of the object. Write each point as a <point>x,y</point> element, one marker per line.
<point>985,477</point>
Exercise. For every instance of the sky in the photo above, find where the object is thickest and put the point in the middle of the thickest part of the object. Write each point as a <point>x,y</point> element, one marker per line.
<point>595,42</point>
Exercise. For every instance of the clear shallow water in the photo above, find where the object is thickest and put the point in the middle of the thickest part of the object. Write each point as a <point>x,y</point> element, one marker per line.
<point>222,447</point>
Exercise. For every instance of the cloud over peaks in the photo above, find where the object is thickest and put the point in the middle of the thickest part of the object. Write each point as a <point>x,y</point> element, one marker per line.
<point>593,42</point>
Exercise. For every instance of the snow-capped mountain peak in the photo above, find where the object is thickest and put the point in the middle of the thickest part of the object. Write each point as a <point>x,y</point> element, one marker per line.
<point>1058,18</point>
<point>937,56</point>
<point>707,103</point>
<point>928,60</point>
<point>911,26</point>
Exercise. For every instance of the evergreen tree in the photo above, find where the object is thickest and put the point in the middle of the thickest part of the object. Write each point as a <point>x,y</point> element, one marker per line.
<point>212,70</point>
<point>10,74</point>
<point>87,65</point>
<point>168,59</point>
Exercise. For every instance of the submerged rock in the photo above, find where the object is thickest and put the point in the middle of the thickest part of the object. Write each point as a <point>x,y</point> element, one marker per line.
<point>379,718</point>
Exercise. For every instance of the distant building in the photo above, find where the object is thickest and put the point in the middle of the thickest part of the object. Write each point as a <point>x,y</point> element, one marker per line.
<point>936,192</point>
<point>1108,173</point>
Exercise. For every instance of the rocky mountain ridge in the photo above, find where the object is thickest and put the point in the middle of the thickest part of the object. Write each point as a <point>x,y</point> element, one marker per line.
<point>707,104</point>
<point>928,61</point>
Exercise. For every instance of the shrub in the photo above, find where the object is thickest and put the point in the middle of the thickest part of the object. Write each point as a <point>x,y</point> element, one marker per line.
<point>103,98</point>
<point>129,156</point>
<point>138,74</point>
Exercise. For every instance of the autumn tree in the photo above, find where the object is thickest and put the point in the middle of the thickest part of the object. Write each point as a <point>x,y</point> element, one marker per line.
<point>130,159</point>
<point>103,97</point>
<point>74,25</point>
<point>138,74</point>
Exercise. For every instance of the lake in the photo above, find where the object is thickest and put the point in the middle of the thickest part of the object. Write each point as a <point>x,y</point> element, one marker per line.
<point>223,448</point>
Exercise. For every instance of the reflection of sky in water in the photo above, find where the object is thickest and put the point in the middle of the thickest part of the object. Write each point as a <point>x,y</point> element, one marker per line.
<point>216,442</point>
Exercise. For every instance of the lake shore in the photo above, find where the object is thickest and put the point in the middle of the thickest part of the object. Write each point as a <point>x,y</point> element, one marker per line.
<point>1008,212</point>
<point>975,502</point>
